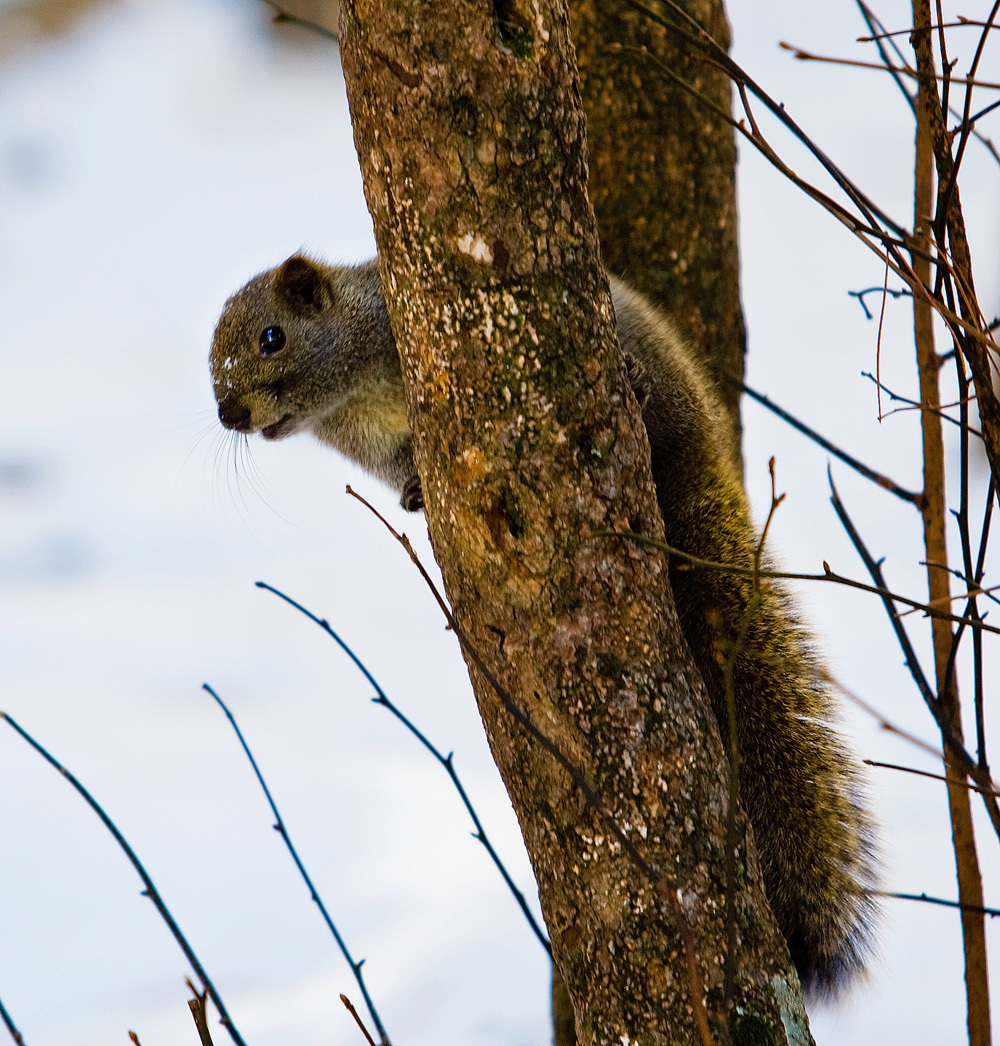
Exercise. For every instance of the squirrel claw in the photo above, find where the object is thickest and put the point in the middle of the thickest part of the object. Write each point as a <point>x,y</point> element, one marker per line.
<point>413,496</point>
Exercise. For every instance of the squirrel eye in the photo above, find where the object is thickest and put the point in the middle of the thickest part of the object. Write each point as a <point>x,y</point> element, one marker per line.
<point>272,340</point>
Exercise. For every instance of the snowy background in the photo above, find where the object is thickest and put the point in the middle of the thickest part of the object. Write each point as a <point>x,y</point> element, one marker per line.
<point>153,156</point>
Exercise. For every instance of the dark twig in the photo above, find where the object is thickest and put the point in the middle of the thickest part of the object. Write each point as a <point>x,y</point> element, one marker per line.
<point>974,587</point>
<point>874,568</point>
<point>952,741</point>
<point>904,292</point>
<point>447,761</point>
<point>876,477</point>
<point>973,573</point>
<point>689,29</point>
<point>968,124</point>
<point>879,34</point>
<point>860,228</point>
<point>10,1026</point>
<point>357,1017</point>
<point>917,405</point>
<point>149,889</point>
<point>945,197</point>
<point>877,38</point>
<point>958,781</point>
<point>992,912</point>
<point>977,636</point>
<point>279,827</point>
<point>665,887</point>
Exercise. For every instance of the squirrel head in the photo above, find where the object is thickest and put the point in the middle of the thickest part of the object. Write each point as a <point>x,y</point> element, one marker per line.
<point>291,345</point>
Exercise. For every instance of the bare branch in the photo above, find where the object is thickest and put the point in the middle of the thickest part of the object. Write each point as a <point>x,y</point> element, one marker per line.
<point>149,888</point>
<point>446,761</point>
<point>280,828</point>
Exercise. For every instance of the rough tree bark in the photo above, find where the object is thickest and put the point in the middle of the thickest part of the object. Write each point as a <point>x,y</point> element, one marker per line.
<point>468,125</point>
<point>662,181</point>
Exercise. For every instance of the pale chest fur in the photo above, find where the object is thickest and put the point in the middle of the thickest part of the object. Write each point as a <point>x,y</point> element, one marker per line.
<point>369,427</point>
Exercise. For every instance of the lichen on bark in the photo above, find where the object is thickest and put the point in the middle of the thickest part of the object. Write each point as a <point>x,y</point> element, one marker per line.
<point>528,442</point>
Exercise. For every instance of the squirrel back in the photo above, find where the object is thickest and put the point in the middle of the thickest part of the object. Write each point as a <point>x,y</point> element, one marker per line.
<point>308,347</point>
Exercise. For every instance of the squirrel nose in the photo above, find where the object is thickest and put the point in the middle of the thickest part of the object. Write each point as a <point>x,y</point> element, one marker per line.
<point>234,415</point>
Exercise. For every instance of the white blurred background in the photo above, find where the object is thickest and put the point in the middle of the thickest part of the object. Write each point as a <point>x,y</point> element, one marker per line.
<point>153,156</point>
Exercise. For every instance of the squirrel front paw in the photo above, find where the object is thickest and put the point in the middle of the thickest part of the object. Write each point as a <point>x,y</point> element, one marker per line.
<point>413,496</point>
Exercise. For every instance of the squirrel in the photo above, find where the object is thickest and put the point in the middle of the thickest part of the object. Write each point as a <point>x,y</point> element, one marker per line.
<point>308,347</point>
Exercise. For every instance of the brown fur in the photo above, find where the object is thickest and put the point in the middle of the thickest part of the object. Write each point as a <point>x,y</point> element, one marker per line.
<point>339,377</point>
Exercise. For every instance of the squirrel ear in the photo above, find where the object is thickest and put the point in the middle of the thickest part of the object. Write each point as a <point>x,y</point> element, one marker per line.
<point>301,283</point>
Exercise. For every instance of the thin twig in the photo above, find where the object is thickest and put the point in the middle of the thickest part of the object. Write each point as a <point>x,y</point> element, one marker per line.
<point>873,23</point>
<point>889,601</point>
<point>447,761</point>
<point>869,473</point>
<point>280,828</point>
<point>9,1024</point>
<point>828,575</point>
<point>357,1017</point>
<point>662,883</point>
<point>953,743</point>
<point>978,908</point>
<point>199,1014</point>
<point>959,782</point>
<point>854,63</point>
<point>973,591</point>
<point>917,405</point>
<point>909,32</point>
<point>903,292</point>
<point>967,120</point>
<point>894,237</point>
<point>879,34</point>
<point>149,888</point>
<point>703,40</point>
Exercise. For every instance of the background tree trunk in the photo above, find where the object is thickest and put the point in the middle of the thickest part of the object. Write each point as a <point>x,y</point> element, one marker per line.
<point>663,175</point>
<point>468,125</point>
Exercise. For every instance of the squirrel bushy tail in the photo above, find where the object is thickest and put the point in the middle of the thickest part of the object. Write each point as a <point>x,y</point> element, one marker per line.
<point>799,785</point>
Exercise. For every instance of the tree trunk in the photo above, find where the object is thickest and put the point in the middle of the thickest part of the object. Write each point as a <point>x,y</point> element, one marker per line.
<point>529,444</point>
<point>663,175</point>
